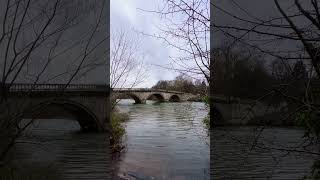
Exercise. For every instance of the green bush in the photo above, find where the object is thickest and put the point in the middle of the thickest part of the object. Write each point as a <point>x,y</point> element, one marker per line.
<point>206,120</point>
<point>118,129</point>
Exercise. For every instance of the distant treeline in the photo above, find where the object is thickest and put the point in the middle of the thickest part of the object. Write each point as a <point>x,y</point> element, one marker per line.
<point>244,73</point>
<point>184,84</point>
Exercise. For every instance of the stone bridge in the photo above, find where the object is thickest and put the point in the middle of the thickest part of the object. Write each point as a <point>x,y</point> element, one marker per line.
<point>86,103</point>
<point>228,110</point>
<point>89,104</point>
<point>141,95</point>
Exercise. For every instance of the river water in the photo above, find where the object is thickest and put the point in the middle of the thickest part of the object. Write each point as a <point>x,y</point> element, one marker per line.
<point>55,149</point>
<point>261,153</point>
<point>169,141</point>
<point>163,141</point>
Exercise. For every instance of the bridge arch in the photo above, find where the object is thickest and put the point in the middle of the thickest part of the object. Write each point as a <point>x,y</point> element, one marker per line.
<point>58,108</point>
<point>136,98</point>
<point>157,96</point>
<point>174,98</point>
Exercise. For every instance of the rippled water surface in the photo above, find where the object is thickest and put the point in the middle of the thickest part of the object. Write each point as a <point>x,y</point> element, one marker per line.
<point>57,146</point>
<point>279,153</point>
<point>169,141</point>
<point>165,141</point>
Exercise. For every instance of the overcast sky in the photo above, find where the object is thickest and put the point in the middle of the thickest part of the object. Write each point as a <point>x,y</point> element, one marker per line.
<point>126,14</point>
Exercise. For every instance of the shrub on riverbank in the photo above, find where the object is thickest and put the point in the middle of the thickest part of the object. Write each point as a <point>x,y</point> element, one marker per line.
<point>206,120</point>
<point>118,130</point>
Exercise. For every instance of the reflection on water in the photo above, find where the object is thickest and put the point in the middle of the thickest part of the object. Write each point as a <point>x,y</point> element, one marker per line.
<point>57,146</point>
<point>165,141</point>
<point>260,153</point>
<point>168,141</point>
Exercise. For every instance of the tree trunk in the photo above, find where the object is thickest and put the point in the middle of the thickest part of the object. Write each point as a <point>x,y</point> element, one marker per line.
<point>211,93</point>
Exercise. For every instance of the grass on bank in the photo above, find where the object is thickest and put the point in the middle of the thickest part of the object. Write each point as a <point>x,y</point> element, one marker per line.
<point>118,129</point>
<point>206,120</point>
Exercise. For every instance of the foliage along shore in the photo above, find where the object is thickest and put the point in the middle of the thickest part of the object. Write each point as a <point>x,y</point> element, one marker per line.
<point>117,130</point>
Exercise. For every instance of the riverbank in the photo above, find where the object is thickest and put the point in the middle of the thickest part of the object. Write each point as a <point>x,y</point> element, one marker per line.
<point>118,130</point>
<point>116,139</point>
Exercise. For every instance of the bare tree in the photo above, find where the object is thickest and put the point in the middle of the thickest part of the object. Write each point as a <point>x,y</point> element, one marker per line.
<point>287,32</point>
<point>127,68</point>
<point>294,31</point>
<point>290,34</point>
<point>186,27</point>
<point>296,23</point>
<point>38,44</point>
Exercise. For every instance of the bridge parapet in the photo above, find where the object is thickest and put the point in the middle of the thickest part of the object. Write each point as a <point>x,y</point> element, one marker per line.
<point>146,90</point>
<point>56,87</point>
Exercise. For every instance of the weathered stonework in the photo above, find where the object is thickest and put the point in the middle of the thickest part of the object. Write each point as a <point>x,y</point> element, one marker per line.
<point>141,95</point>
<point>90,107</point>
